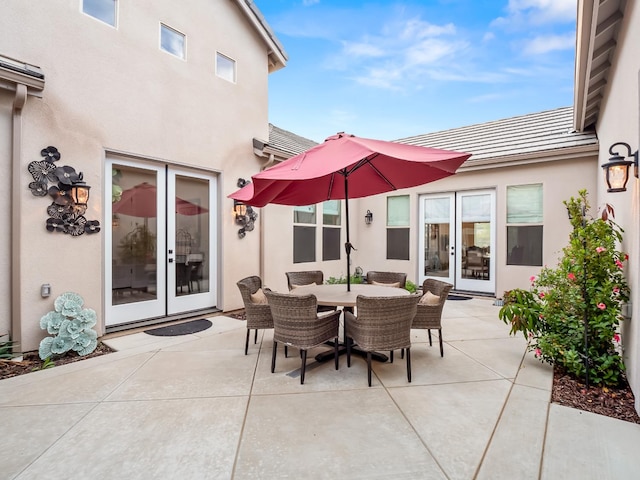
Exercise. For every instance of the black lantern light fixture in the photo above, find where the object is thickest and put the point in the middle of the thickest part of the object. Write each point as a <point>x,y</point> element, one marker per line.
<point>244,214</point>
<point>616,170</point>
<point>368,218</point>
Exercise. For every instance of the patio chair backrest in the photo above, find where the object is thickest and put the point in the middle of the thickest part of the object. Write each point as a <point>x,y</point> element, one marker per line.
<point>387,278</point>
<point>304,278</point>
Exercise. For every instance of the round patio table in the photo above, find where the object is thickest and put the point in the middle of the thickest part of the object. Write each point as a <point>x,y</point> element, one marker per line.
<point>336,295</point>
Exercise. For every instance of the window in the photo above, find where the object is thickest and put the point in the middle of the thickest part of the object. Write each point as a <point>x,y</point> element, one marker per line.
<point>226,67</point>
<point>331,220</point>
<point>398,227</point>
<point>524,225</point>
<point>304,236</point>
<point>103,10</point>
<point>172,41</point>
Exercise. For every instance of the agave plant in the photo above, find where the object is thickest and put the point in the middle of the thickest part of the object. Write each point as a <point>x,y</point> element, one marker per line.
<point>71,325</point>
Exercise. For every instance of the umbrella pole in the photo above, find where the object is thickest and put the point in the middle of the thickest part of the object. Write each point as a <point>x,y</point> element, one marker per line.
<point>347,246</point>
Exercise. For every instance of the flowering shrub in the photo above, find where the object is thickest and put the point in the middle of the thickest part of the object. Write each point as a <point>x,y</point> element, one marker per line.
<point>71,325</point>
<point>584,293</point>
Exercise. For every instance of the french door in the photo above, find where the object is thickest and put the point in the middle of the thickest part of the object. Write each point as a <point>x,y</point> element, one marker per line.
<point>457,239</point>
<point>160,252</point>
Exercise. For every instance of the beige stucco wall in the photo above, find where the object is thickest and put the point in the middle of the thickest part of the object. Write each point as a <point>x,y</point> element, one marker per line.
<point>561,180</point>
<point>619,121</point>
<point>113,89</point>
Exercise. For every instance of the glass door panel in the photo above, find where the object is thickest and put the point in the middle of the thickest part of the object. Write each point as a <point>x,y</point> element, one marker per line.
<point>190,264</point>
<point>437,253</point>
<point>475,241</point>
<point>135,283</point>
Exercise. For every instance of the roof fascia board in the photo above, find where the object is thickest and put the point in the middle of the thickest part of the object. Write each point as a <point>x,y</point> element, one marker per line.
<point>567,153</point>
<point>585,36</point>
<point>10,78</point>
<point>277,55</point>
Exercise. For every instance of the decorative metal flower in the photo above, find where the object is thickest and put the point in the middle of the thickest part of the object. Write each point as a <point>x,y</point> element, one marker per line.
<point>51,322</point>
<point>50,154</point>
<point>75,225</point>
<point>39,189</point>
<point>67,175</point>
<point>60,196</point>
<point>68,304</point>
<point>92,226</point>
<point>41,171</point>
<point>58,211</point>
<point>55,225</point>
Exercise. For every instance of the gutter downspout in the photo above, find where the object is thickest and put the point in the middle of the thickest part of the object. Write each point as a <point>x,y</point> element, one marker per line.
<point>16,207</point>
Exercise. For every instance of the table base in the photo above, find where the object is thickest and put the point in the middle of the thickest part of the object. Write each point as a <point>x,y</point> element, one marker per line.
<point>342,350</point>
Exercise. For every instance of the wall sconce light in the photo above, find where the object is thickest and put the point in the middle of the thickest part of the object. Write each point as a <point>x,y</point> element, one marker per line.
<point>616,171</point>
<point>245,215</point>
<point>368,218</point>
<point>69,192</point>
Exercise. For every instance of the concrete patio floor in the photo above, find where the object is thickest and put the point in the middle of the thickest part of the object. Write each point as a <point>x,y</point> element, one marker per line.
<point>196,407</point>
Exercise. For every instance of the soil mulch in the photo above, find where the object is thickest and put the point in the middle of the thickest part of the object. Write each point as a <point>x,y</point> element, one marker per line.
<point>31,361</point>
<point>611,402</point>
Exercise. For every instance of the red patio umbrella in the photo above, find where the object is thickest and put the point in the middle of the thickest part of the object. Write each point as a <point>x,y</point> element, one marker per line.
<point>140,201</point>
<point>344,167</point>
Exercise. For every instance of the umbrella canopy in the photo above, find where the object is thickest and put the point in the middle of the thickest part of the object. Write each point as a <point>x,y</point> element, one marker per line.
<point>140,201</point>
<point>344,167</point>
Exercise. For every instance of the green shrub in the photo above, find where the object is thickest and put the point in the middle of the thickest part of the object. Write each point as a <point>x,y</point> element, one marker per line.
<point>584,293</point>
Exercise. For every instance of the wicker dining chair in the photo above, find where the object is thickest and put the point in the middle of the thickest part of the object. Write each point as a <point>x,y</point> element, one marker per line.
<point>387,278</point>
<point>429,314</point>
<point>257,311</point>
<point>308,277</point>
<point>382,323</point>
<point>296,323</point>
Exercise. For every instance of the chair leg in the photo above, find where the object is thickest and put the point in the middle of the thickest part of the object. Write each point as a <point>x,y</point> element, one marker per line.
<point>348,342</point>
<point>273,356</point>
<point>390,356</point>
<point>255,338</point>
<point>440,336</point>
<point>303,354</point>
<point>409,364</point>
<point>286,351</point>
<point>430,344</point>
<point>369,367</point>
<point>246,343</point>
<point>336,354</point>
<point>402,353</point>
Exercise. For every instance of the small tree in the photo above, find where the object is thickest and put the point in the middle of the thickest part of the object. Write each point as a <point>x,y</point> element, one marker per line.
<point>571,313</point>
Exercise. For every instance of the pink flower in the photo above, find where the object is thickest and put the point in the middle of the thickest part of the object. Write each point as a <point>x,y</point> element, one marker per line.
<point>619,264</point>
<point>532,278</point>
<point>541,317</point>
<point>541,295</point>
<point>616,338</point>
<point>626,256</point>
<point>600,249</point>
<point>602,306</point>
<point>571,276</point>
<point>538,353</point>
<point>616,289</point>
<point>530,335</point>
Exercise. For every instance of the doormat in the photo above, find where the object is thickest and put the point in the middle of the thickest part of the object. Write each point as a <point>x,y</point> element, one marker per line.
<point>186,328</point>
<point>457,297</point>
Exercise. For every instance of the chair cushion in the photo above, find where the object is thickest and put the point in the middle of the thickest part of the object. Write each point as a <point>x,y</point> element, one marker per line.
<point>429,299</point>
<point>308,285</point>
<point>395,285</point>
<point>259,297</point>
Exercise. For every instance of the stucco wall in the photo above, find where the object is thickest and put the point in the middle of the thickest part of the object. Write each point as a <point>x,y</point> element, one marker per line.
<point>561,180</point>
<point>619,121</point>
<point>113,89</point>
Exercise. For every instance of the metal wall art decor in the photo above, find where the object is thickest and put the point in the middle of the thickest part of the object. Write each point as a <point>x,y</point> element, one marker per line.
<point>69,192</point>
<point>245,215</point>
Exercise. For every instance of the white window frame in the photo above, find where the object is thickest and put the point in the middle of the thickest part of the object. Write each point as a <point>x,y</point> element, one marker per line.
<point>166,28</point>
<point>102,20</point>
<point>218,71</point>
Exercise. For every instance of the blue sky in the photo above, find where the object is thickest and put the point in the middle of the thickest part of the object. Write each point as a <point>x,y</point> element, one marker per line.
<point>392,69</point>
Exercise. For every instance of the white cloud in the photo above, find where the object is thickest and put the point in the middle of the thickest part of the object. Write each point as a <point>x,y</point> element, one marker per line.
<point>537,12</point>
<point>549,43</point>
<point>362,49</point>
